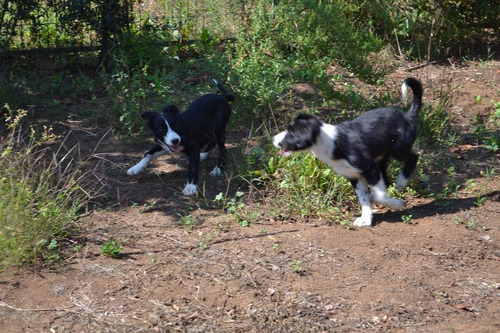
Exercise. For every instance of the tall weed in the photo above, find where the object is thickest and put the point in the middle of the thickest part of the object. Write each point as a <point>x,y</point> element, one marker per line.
<point>41,195</point>
<point>308,187</point>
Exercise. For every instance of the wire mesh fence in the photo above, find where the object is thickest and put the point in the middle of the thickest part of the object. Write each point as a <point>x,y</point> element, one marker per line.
<point>78,25</point>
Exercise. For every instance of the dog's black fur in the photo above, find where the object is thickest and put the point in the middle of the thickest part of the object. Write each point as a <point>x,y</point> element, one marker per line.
<point>360,149</point>
<point>196,131</point>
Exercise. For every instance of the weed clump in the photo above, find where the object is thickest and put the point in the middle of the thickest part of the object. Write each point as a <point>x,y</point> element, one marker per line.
<point>41,195</point>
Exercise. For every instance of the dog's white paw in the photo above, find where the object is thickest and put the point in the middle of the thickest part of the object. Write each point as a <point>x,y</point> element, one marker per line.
<point>395,204</point>
<point>203,156</point>
<point>216,171</point>
<point>401,182</point>
<point>135,170</point>
<point>139,167</point>
<point>363,221</point>
<point>189,189</point>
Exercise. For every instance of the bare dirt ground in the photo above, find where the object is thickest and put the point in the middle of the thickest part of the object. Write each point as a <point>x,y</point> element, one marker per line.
<point>438,272</point>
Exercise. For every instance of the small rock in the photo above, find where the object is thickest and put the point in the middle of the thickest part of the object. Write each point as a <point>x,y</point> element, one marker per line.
<point>486,238</point>
<point>328,307</point>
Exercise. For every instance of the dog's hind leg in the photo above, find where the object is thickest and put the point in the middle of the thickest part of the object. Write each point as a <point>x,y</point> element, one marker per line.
<point>221,162</point>
<point>362,192</point>
<point>409,167</point>
<point>206,150</point>
<point>154,152</point>
<point>379,195</point>
<point>375,178</point>
<point>383,169</point>
<point>194,163</point>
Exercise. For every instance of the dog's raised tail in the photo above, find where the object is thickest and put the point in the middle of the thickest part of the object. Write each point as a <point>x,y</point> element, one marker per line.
<point>416,104</point>
<point>230,97</point>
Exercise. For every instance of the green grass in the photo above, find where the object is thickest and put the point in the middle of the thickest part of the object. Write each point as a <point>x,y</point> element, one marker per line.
<point>308,187</point>
<point>41,195</point>
<point>111,248</point>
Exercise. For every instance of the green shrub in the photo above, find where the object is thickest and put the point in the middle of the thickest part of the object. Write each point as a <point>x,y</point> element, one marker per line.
<point>148,72</point>
<point>308,187</point>
<point>431,29</point>
<point>291,41</point>
<point>111,248</point>
<point>40,195</point>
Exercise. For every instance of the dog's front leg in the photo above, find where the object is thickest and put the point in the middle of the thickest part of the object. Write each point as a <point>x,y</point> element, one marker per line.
<point>194,163</point>
<point>361,188</point>
<point>154,152</point>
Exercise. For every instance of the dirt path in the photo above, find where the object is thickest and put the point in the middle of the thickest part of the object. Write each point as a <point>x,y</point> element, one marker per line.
<point>438,272</point>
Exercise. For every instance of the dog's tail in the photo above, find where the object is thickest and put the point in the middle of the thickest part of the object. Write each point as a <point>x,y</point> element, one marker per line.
<point>415,85</point>
<point>230,97</point>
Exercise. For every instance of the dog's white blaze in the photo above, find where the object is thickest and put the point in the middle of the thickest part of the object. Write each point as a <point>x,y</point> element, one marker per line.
<point>189,189</point>
<point>278,138</point>
<point>171,135</point>
<point>143,163</point>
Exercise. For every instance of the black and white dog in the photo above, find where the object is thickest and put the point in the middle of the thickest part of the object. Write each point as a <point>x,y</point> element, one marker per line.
<point>194,132</point>
<point>360,149</point>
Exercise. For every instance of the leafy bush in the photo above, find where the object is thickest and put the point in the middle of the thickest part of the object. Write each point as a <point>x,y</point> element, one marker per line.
<point>40,195</point>
<point>308,187</point>
<point>291,41</point>
<point>431,29</point>
<point>111,248</point>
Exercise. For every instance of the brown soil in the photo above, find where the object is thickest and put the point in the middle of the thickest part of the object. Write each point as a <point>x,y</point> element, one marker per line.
<point>438,272</point>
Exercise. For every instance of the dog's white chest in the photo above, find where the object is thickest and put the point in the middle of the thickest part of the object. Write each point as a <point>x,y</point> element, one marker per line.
<point>340,166</point>
<point>323,150</point>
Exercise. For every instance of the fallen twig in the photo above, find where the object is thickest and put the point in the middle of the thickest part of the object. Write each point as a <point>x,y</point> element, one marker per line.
<point>425,64</point>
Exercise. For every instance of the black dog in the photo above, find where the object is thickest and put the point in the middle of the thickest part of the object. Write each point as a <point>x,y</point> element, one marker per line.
<point>360,149</point>
<point>194,132</point>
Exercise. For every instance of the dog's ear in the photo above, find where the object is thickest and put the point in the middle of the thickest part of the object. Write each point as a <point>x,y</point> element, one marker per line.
<point>305,116</point>
<point>148,115</point>
<point>172,109</point>
<point>308,120</point>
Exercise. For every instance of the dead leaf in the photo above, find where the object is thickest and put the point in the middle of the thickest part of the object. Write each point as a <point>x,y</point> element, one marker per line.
<point>463,306</point>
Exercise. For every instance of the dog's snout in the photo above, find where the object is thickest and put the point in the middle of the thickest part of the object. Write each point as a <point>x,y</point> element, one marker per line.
<point>176,141</point>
